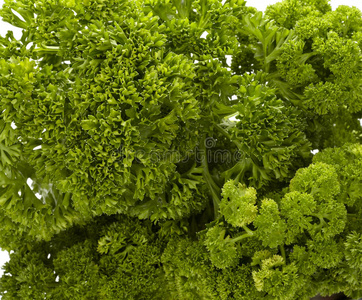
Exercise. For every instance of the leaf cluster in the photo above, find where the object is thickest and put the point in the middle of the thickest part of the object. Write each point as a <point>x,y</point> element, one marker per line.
<point>161,149</point>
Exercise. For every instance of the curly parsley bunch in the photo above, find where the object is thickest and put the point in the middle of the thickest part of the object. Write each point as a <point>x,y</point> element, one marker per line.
<point>162,149</point>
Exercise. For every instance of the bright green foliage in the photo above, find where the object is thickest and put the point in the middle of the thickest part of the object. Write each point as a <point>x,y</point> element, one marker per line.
<point>223,252</point>
<point>319,182</point>
<point>268,134</point>
<point>341,57</point>
<point>278,280</point>
<point>138,162</point>
<point>270,226</point>
<point>298,209</point>
<point>288,12</point>
<point>118,113</point>
<point>76,270</point>
<point>188,271</point>
<point>353,246</point>
<point>347,161</point>
<point>238,204</point>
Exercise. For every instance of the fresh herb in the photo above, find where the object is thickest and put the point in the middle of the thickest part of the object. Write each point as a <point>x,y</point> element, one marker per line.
<point>162,149</point>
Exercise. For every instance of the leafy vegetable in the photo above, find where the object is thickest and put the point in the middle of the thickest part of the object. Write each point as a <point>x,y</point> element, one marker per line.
<point>138,162</point>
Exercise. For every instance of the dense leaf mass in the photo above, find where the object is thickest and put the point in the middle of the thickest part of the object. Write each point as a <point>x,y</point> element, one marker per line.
<point>162,149</point>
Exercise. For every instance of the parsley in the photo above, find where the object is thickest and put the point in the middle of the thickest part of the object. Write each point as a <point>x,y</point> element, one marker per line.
<point>139,162</point>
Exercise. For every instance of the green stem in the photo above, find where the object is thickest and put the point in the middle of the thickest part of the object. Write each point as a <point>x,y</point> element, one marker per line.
<point>214,189</point>
<point>320,217</point>
<point>321,220</point>
<point>248,230</point>
<point>352,215</point>
<point>249,233</point>
<point>282,250</point>
<point>265,49</point>
<point>240,237</point>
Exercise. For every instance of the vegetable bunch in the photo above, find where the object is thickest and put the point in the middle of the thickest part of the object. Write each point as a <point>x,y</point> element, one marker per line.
<point>162,149</point>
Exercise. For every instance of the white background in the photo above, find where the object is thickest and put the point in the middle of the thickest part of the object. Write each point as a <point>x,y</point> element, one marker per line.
<point>259,4</point>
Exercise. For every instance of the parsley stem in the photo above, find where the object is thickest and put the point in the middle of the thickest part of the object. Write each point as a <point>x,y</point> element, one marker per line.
<point>248,230</point>
<point>240,237</point>
<point>213,187</point>
<point>282,251</point>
